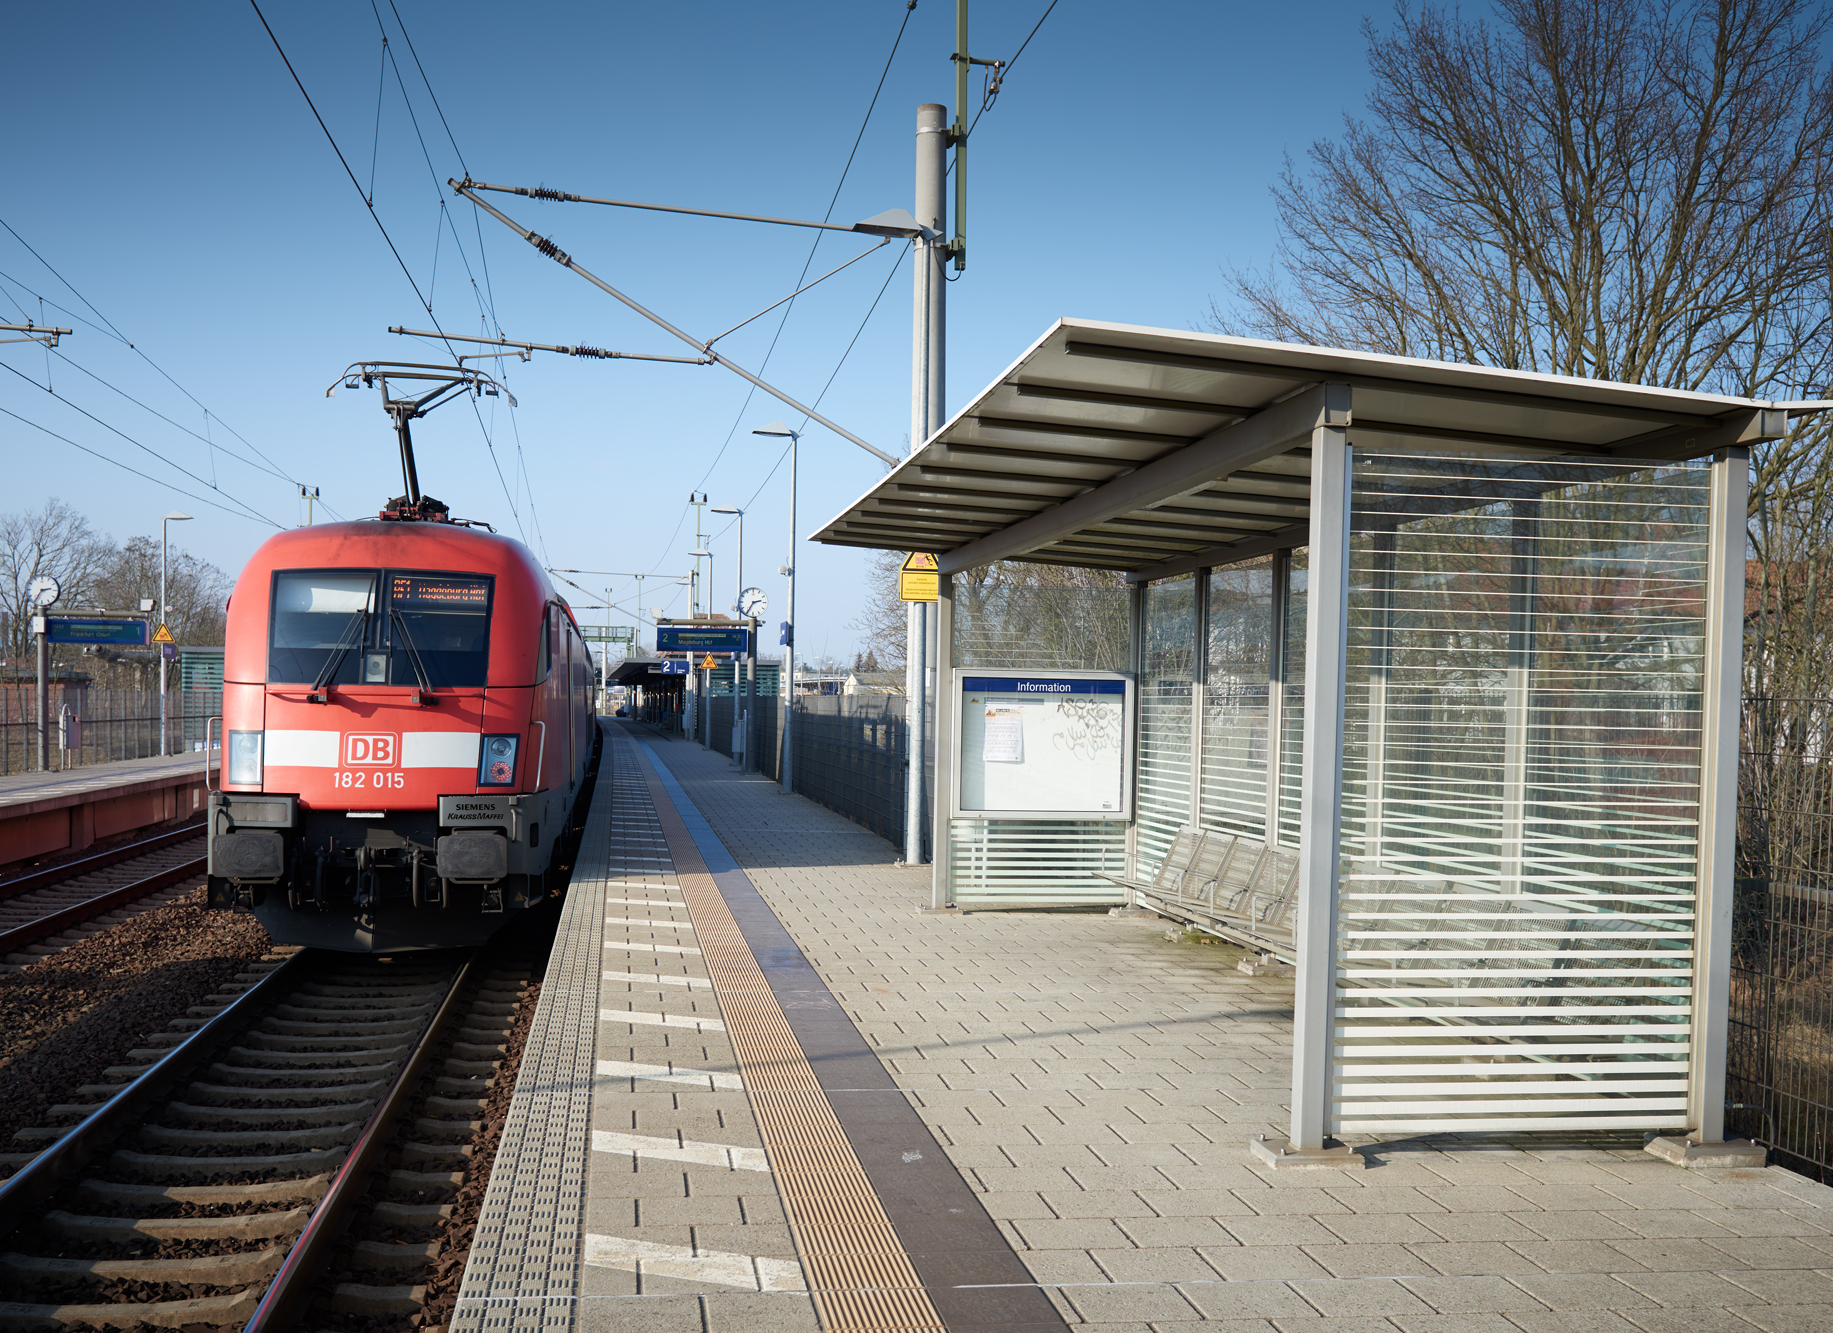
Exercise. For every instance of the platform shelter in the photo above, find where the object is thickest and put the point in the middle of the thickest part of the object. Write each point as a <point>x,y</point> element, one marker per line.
<point>1448,656</point>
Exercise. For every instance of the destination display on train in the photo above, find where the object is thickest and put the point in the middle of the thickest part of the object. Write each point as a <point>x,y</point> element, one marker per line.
<point>432,590</point>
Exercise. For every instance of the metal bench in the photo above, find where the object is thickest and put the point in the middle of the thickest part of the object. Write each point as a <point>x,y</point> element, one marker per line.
<point>1230,886</point>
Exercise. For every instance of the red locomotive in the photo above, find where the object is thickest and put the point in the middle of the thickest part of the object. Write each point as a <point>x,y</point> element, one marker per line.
<point>407,725</point>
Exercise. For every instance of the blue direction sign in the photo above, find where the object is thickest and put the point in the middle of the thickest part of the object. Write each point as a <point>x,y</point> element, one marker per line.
<point>66,629</point>
<point>677,667</point>
<point>701,639</point>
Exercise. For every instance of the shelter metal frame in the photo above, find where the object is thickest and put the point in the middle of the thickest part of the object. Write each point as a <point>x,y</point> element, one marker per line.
<point>1155,453</point>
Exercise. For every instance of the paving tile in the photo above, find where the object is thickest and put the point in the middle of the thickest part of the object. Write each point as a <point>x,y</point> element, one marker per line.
<point>1671,1224</point>
<point>1097,1203</point>
<point>1679,1254</point>
<point>1279,1231</point>
<point>1473,1258</point>
<point>1245,1300</point>
<point>1574,1226</point>
<point>1158,1264</point>
<point>1465,1295</point>
<point>1785,1286</point>
<point>1148,1232</point>
<point>1771,1252</point>
<point>1096,1305</point>
<point>1692,1289</point>
<point>1469,1321</point>
<point>640,1314</point>
<point>1263,1263</point>
<point>1296,1201</point>
<point>1196,1203</point>
<point>1051,1266</point>
<point>1453,1226</point>
<point>779,1312</point>
<point>1081,1233</point>
<point>1788,1318</point>
<point>1379,1297</point>
<point>1581,1291</point>
<point>1378,1228</point>
<point>1571,1321</point>
<point>1689,1321</point>
<point>1366,1261</point>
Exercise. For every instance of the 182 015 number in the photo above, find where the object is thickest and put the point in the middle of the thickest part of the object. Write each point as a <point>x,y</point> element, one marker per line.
<point>370,781</point>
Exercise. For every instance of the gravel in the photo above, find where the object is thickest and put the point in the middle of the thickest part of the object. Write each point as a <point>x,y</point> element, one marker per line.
<point>69,1017</point>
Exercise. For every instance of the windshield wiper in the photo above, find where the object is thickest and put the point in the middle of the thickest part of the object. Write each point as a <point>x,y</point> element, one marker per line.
<point>425,696</point>
<point>345,642</point>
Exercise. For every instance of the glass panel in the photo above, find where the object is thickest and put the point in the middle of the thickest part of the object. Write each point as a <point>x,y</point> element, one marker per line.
<point>1240,650</point>
<point>1292,687</point>
<point>445,619</point>
<point>1163,804</point>
<point>319,615</point>
<point>1521,793</point>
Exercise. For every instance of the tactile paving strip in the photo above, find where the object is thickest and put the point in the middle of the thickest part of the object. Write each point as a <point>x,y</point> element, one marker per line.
<point>859,1274</point>
<point>522,1275</point>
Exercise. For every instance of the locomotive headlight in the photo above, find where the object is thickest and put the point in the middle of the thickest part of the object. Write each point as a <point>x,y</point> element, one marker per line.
<point>245,758</point>
<point>497,768</point>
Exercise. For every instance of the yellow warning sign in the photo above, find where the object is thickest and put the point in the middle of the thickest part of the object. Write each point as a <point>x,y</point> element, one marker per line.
<point>163,635</point>
<point>919,580</point>
<point>707,663</point>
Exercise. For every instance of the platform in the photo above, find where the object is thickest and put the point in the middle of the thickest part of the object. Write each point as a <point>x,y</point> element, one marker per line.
<point>763,1091</point>
<point>42,813</point>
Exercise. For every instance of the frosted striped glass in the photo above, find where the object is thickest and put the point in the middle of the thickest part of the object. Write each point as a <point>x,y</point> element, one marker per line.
<point>1522,757</point>
<point>1162,794</point>
<point>1239,616</point>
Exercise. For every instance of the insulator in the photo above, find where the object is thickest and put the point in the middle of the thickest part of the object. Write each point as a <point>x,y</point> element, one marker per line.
<point>549,249</point>
<point>593,351</point>
<point>542,192</point>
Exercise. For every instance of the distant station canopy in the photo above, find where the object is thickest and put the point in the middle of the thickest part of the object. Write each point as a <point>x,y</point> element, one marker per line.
<point>1425,680</point>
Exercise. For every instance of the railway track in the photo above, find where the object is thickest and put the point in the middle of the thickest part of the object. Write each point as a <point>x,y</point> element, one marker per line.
<point>211,1181</point>
<point>48,910</point>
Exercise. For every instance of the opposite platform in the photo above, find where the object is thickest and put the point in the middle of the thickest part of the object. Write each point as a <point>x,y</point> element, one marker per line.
<point>1032,1119</point>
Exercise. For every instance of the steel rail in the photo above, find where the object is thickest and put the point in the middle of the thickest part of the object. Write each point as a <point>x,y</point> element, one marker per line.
<point>39,879</point>
<point>37,1178</point>
<point>292,1289</point>
<point>52,922</point>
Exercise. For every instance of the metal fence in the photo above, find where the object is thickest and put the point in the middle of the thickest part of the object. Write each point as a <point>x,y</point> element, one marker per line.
<point>1780,1084</point>
<point>110,725</point>
<point>850,755</point>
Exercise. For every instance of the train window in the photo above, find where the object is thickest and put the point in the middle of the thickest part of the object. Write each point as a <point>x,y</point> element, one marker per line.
<point>544,655</point>
<point>443,621</point>
<point>319,615</point>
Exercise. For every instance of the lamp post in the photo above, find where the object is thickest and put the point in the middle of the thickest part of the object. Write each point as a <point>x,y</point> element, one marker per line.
<point>164,614</point>
<point>779,430</point>
<point>738,594</point>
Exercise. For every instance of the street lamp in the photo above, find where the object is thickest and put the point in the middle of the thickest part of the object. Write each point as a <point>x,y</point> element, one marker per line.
<point>164,621</point>
<point>779,430</point>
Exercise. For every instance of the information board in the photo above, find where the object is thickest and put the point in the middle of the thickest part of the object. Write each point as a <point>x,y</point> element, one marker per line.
<point>1044,745</point>
<point>701,639</point>
<point>68,629</point>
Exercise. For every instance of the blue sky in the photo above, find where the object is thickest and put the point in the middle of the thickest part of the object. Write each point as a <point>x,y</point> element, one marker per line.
<point>163,162</point>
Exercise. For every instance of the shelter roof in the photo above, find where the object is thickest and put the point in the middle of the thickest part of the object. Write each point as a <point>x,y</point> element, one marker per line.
<point>1156,450</point>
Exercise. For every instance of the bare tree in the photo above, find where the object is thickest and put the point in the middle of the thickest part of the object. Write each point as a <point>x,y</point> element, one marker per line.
<point>54,541</point>
<point>882,625</point>
<point>1616,189</point>
<point>196,590</point>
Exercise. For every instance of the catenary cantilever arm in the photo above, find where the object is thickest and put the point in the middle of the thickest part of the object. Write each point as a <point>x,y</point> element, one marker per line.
<point>565,260</point>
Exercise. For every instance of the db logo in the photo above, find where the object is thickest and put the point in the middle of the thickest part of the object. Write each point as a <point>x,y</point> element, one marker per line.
<point>381,748</point>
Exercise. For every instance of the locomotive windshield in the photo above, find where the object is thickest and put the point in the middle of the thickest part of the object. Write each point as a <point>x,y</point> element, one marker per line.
<point>379,627</point>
